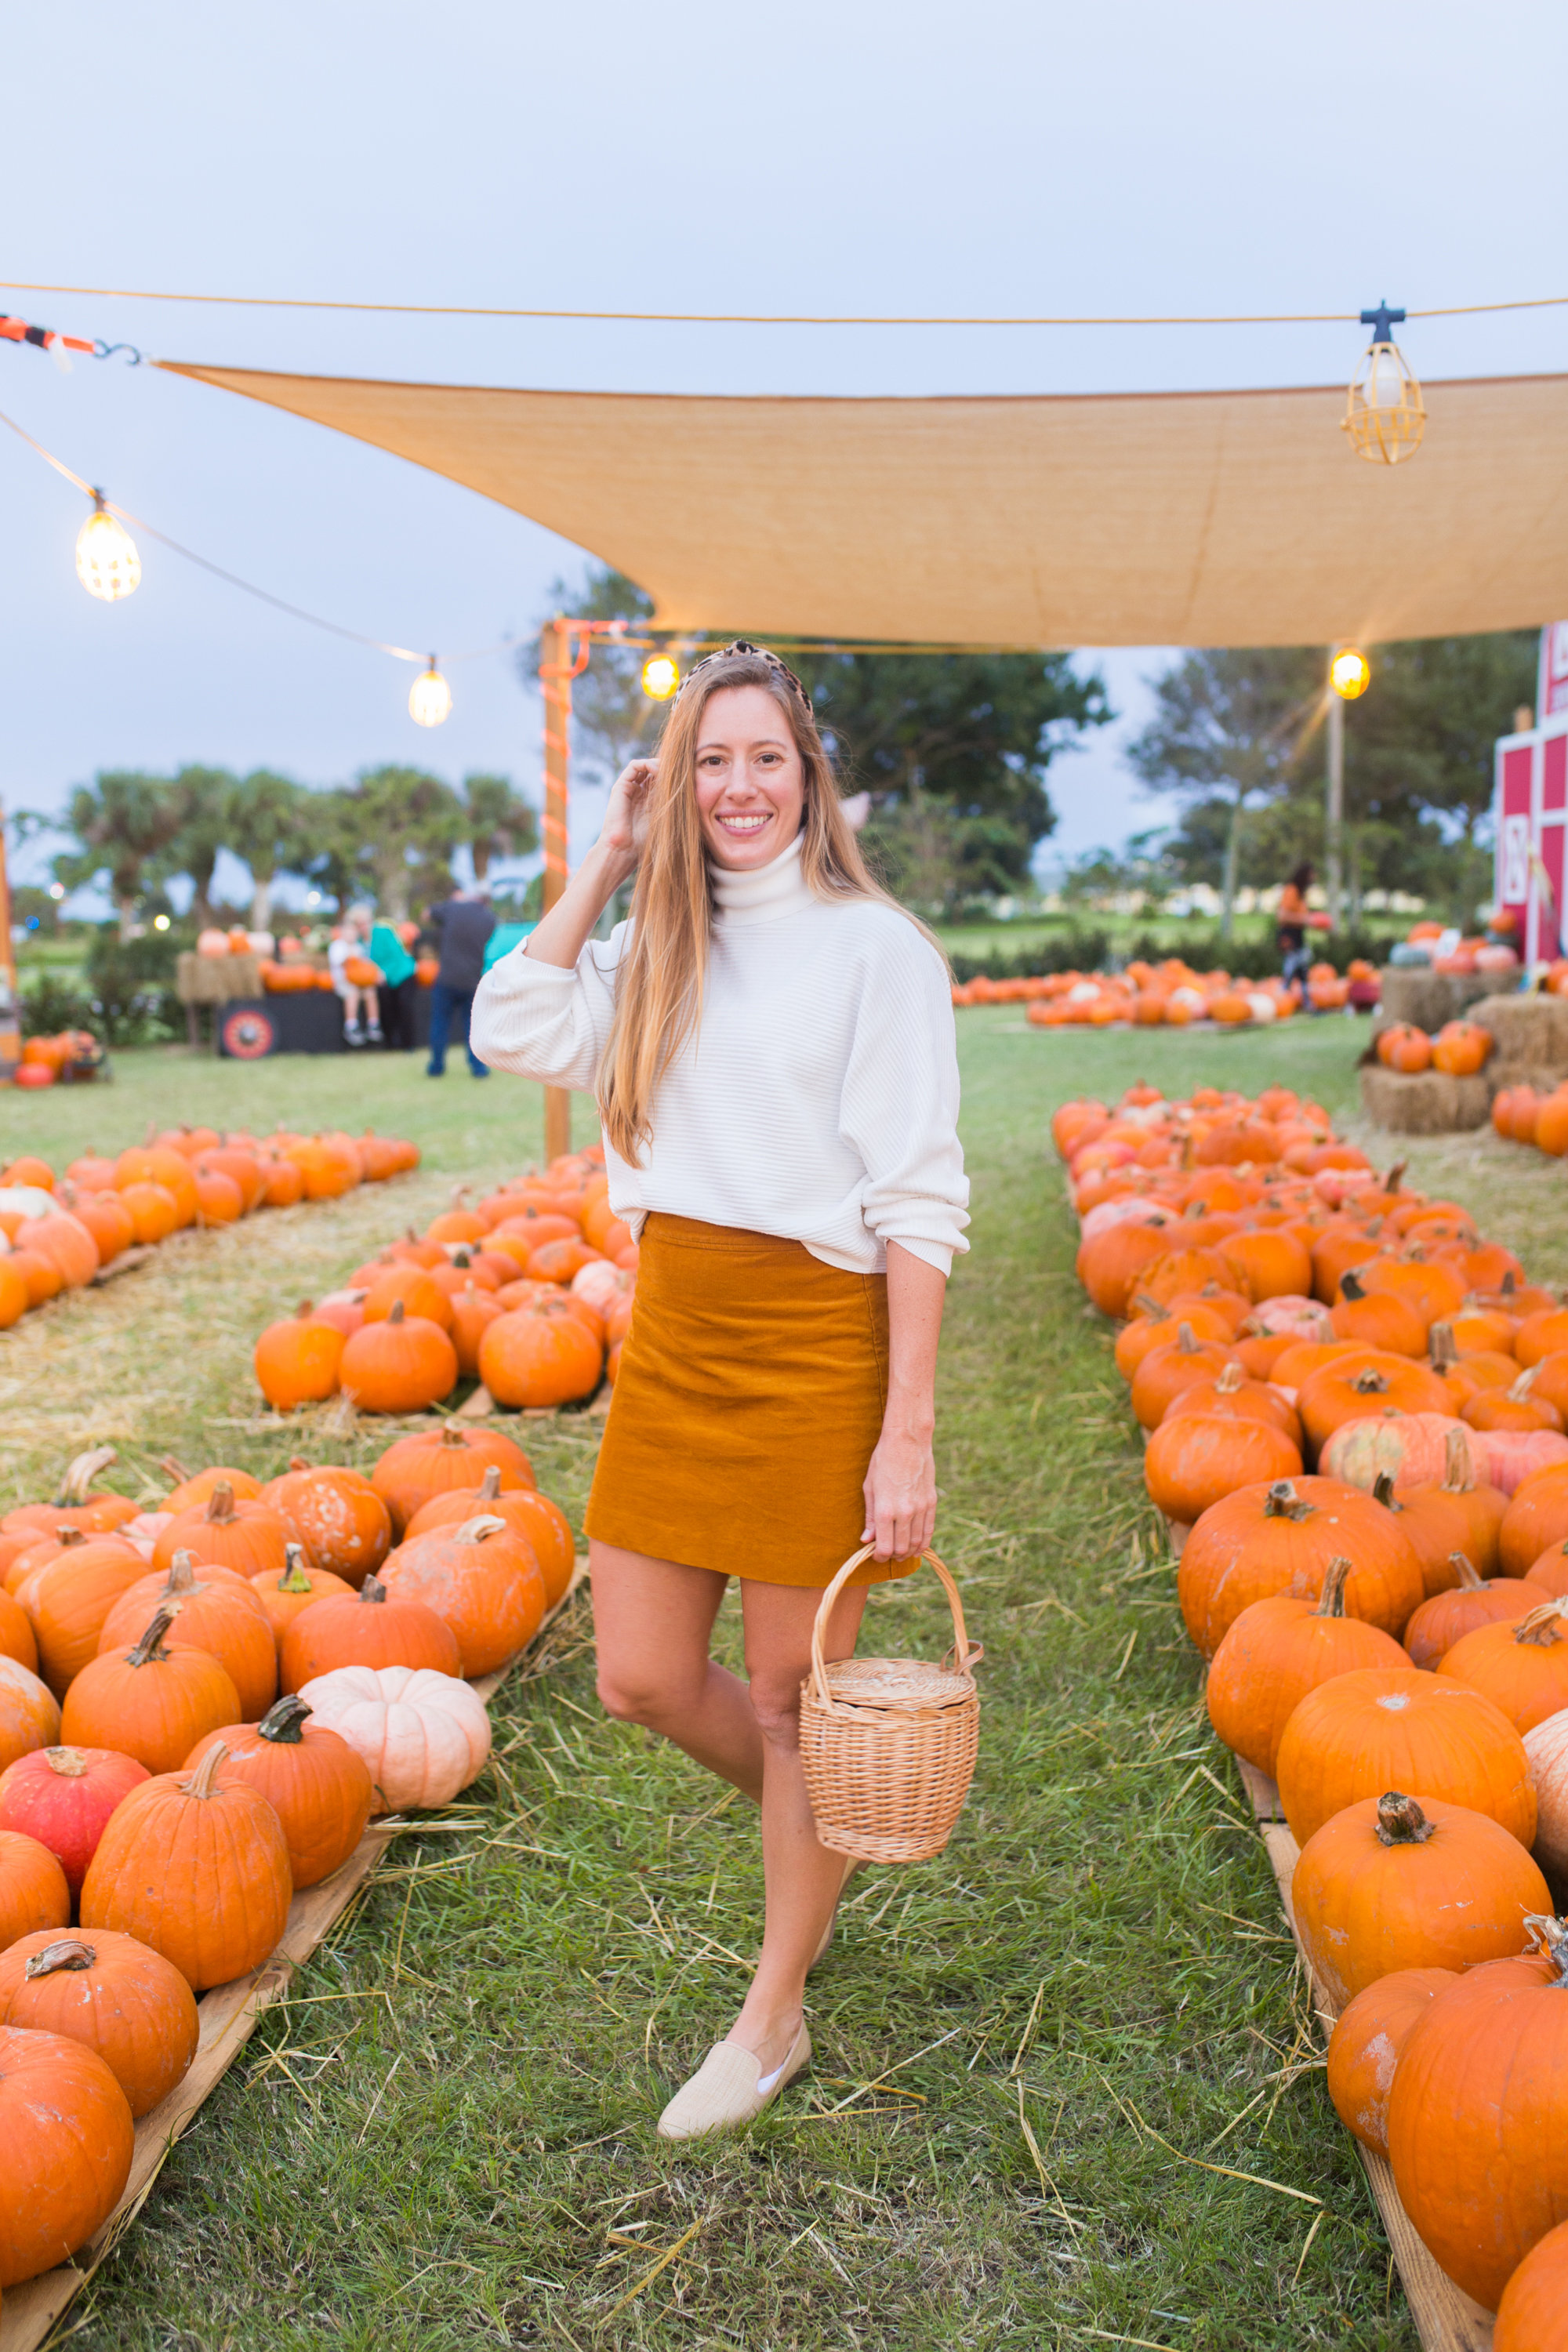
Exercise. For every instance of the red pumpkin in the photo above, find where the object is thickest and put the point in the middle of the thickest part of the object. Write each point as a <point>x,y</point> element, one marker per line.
<point>318,1788</point>
<point>63,1796</point>
<point>69,2140</point>
<point>126,2004</point>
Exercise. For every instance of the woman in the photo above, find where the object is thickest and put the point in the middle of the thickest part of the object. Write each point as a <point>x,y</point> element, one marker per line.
<point>771,1040</point>
<point>1290,932</point>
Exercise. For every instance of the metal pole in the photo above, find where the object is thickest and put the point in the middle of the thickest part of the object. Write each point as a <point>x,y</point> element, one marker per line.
<point>1336,800</point>
<point>555,675</point>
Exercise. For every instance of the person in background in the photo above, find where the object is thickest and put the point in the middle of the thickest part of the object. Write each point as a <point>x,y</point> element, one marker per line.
<point>1290,936</point>
<point>398,983</point>
<point>462,925</point>
<point>362,1010</point>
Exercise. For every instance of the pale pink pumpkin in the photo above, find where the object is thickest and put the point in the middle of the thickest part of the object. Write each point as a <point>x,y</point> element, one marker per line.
<point>424,1734</point>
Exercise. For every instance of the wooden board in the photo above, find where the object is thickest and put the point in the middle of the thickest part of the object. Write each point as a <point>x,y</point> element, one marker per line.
<point>228,2016</point>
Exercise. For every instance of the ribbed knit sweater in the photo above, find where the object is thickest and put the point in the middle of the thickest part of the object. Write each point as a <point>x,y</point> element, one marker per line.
<point>819,1099</point>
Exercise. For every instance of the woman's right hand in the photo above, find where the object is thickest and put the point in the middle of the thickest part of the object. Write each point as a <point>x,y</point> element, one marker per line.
<point>625,828</point>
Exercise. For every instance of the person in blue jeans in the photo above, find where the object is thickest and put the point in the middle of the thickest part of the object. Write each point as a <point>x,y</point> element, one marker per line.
<point>462,925</point>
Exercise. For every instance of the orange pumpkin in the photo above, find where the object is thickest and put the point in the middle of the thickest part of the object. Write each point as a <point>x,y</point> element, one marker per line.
<point>1274,1652</point>
<point>191,1493</point>
<point>29,1713</point>
<point>1384,1728</point>
<point>1356,1387</point>
<point>1365,2048</point>
<point>1461,1047</point>
<point>153,1704</point>
<point>1377,1319</point>
<point>527,1513</point>
<point>128,2004</point>
<point>1281,1536</point>
<point>481,1578</point>
<point>198,1868</point>
<point>1457,1516</point>
<point>283,1596</point>
<point>1478,2121</point>
<point>320,1789</point>
<point>1270,1265</point>
<point>366,1629</point>
<point>16,1636</point>
<point>1536,1518</point>
<point>209,1609</point>
<point>403,1364</point>
<point>33,1890</point>
<point>70,1599</point>
<point>473,1312</point>
<point>417,1291</point>
<point>1232,1393</point>
<point>69,2140</point>
<point>1164,1372</point>
<point>1391,1883</point>
<point>1445,1620</point>
<point>337,1514</point>
<point>1521,1666</point>
<point>296,1362</point>
<point>536,1357</point>
<point>1111,1263</point>
<point>414,1470</point>
<point>1194,1461</point>
<point>1544,1333</point>
<point>243,1536</point>
<point>1529,2315</point>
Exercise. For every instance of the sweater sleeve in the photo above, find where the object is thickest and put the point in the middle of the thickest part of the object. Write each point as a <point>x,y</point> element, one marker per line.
<point>543,1020</point>
<point>900,1105</point>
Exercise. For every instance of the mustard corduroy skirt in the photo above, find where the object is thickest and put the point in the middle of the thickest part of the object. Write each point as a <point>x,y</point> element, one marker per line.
<point>747,1407</point>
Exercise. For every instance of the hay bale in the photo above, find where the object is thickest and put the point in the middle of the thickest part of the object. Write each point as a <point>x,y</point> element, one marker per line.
<point>1416,994</point>
<point>1532,1032</point>
<point>1429,1104</point>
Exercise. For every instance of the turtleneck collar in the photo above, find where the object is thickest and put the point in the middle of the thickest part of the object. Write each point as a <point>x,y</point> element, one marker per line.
<point>765,893</point>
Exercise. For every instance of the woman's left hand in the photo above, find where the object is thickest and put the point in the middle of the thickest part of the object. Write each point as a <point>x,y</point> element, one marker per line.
<point>900,1494</point>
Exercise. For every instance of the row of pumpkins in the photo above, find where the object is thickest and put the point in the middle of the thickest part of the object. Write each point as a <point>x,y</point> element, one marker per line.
<point>73,1053</point>
<point>1461,1049</point>
<point>1169,994</point>
<point>201,1708</point>
<point>1355,1409</point>
<point>1520,1115</point>
<point>57,1232</point>
<point>529,1291</point>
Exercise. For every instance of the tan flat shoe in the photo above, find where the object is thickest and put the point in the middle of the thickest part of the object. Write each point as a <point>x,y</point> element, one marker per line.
<point>852,1862</point>
<point>730,2090</point>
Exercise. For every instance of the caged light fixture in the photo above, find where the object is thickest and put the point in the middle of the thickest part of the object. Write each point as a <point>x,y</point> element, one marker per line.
<point>107,562</point>
<point>1385,413</point>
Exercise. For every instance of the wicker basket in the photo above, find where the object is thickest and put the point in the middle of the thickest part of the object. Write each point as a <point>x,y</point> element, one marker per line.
<point>889,1744</point>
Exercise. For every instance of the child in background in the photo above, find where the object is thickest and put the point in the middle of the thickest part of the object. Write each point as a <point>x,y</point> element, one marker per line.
<point>349,965</point>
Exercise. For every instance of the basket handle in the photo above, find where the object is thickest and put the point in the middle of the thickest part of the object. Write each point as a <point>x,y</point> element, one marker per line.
<point>961,1653</point>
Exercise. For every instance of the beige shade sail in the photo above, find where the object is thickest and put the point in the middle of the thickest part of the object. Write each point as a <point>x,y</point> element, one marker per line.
<point>1189,519</point>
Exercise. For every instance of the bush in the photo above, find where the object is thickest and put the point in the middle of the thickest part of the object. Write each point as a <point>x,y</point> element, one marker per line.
<point>131,985</point>
<point>1077,951</point>
<point>51,1004</point>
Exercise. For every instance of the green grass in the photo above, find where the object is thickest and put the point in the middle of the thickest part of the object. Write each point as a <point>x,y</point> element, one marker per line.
<point>446,2139</point>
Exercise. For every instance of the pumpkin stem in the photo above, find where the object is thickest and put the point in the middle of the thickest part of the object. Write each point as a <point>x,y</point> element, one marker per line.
<point>68,1762</point>
<point>150,1649</point>
<point>394,1314</point>
<point>1520,1389</point>
<point>294,1578</point>
<point>453,1435</point>
<point>1231,1379</point>
<point>1457,1478</point>
<point>1382,1492</point>
<point>68,1953</point>
<point>1440,1344</point>
<point>1283,1502</point>
<point>1332,1601</point>
<point>1468,1581</point>
<point>68,1536</point>
<point>1541,1627</point>
<point>220,1505</point>
<point>1370,1382</point>
<point>1186,1339</point>
<point>1401,1822</point>
<point>1391,1182</point>
<point>306,1309</point>
<point>489,1484</point>
<point>285,1720</point>
<point>173,1467</point>
<point>181,1575</point>
<point>1350,1285</point>
<point>207,1771</point>
<point>1552,1937</point>
<point>477,1530</point>
<point>372,1590</point>
<point>1509,1284</point>
<point>81,1473</point>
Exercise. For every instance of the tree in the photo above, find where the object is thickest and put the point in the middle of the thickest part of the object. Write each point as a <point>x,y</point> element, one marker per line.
<point>499,825</point>
<point>612,717</point>
<point>1230,726</point>
<point>123,822</point>
<point>389,834</point>
<point>953,750</point>
<point>205,797</point>
<point>273,824</point>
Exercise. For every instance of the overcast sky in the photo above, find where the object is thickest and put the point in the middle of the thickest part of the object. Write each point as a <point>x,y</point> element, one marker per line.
<point>854,156</point>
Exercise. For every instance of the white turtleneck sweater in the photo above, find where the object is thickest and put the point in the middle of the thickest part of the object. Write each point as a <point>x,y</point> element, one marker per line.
<point>819,1099</point>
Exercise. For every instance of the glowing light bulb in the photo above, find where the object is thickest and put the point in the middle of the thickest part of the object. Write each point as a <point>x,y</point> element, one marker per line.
<point>160,922</point>
<point>660,676</point>
<point>1349,674</point>
<point>107,562</point>
<point>429,698</point>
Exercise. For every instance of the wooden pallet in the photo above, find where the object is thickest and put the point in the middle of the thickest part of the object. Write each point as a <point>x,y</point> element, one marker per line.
<point>228,2016</point>
<point>1445,2318</point>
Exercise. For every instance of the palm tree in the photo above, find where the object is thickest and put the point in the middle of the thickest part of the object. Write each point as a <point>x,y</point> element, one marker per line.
<point>123,822</point>
<point>203,796</point>
<point>499,825</point>
<point>389,833</point>
<point>272,826</point>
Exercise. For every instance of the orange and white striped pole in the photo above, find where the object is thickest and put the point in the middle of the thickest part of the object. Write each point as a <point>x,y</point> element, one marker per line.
<point>557,669</point>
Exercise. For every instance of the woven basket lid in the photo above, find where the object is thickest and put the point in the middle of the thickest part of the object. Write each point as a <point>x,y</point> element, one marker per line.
<point>897,1682</point>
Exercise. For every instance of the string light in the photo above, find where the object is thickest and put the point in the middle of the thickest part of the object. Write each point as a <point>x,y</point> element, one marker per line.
<point>1349,674</point>
<point>429,698</point>
<point>660,676</point>
<point>107,562</point>
<point>1385,415</point>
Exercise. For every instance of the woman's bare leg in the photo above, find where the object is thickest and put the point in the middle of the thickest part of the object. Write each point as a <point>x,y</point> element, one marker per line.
<point>801,1877</point>
<point>653,1620</point>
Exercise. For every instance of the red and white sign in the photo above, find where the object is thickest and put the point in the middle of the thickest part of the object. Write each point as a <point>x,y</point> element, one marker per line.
<point>1529,808</point>
<point>1551,691</point>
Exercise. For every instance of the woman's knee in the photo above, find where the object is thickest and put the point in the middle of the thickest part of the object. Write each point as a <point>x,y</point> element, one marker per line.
<point>775,1702</point>
<point>636,1697</point>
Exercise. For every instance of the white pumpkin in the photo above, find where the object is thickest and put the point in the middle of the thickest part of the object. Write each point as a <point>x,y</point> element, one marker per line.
<point>1547,1747</point>
<point>1290,1316</point>
<point>424,1734</point>
<point>600,1283</point>
<point>27,1200</point>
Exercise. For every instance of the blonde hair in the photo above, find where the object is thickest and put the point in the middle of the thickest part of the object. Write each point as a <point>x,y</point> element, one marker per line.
<point>661,976</point>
